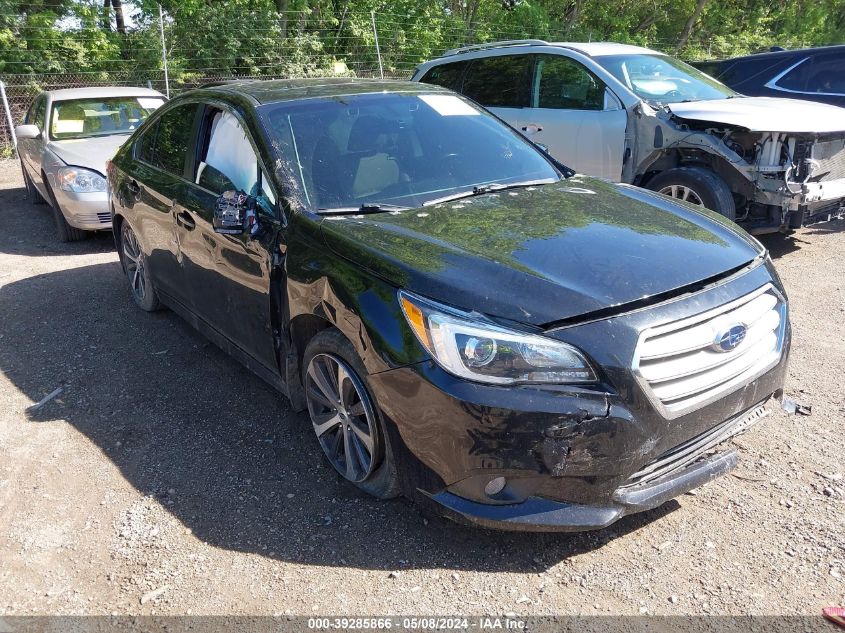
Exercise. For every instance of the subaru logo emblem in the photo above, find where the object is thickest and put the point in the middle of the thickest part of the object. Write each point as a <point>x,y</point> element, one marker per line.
<point>729,339</point>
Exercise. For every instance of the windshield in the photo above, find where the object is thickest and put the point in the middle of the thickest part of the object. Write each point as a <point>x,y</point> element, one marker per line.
<point>84,118</point>
<point>374,150</point>
<point>659,79</point>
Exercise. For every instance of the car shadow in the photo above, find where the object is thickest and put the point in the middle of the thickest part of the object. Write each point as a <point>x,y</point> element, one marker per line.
<point>222,451</point>
<point>29,229</point>
<point>780,245</point>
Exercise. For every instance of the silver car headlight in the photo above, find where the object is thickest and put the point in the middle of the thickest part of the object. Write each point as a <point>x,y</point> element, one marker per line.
<point>79,180</point>
<point>485,352</point>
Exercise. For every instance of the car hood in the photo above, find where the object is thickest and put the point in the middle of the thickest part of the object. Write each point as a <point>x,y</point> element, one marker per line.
<point>544,254</point>
<point>91,153</point>
<point>765,114</point>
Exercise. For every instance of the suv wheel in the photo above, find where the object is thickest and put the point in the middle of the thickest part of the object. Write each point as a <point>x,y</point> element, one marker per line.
<point>344,416</point>
<point>696,185</point>
<point>135,265</point>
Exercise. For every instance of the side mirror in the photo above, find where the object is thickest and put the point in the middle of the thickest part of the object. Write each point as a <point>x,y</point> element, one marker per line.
<point>543,147</point>
<point>234,214</point>
<point>27,131</point>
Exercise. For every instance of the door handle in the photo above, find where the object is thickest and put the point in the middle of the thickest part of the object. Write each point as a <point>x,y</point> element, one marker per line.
<point>185,220</point>
<point>531,128</point>
<point>133,187</point>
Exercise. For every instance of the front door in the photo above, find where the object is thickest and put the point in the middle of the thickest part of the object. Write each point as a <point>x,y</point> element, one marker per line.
<point>576,117</point>
<point>30,149</point>
<point>229,275</point>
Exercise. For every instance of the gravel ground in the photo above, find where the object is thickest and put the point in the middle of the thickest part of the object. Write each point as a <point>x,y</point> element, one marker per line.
<point>166,479</point>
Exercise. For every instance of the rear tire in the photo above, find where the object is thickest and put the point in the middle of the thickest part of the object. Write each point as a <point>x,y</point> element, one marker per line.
<point>65,231</point>
<point>354,407</point>
<point>32,194</point>
<point>696,185</point>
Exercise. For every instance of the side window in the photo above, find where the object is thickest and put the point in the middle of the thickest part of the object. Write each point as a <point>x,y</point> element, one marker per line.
<point>796,79</point>
<point>500,82</point>
<point>164,144</point>
<point>563,83</point>
<point>446,75</point>
<point>35,116</point>
<point>145,144</point>
<point>826,75</point>
<point>228,161</point>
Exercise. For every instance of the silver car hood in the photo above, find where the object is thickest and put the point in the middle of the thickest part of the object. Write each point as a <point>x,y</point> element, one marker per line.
<point>765,114</point>
<point>91,153</point>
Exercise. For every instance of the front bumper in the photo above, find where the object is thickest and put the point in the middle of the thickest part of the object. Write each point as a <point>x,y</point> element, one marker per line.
<point>86,211</point>
<point>572,458</point>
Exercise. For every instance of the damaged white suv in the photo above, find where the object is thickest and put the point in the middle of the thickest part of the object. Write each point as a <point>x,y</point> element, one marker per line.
<point>634,115</point>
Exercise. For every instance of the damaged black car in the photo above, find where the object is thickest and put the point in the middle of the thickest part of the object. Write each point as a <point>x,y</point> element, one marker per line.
<point>465,321</point>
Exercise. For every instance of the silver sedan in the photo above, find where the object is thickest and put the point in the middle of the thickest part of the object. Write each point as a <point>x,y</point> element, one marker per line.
<point>64,144</point>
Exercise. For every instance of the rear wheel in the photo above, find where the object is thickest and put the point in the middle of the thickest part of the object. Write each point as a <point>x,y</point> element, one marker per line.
<point>135,264</point>
<point>345,417</point>
<point>696,185</point>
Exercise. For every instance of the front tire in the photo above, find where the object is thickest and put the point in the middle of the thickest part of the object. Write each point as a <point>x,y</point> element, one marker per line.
<point>65,231</point>
<point>137,272</point>
<point>696,185</point>
<point>32,193</point>
<point>345,416</point>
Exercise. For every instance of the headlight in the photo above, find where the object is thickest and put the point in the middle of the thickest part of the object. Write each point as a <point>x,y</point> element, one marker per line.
<point>485,352</point>
<point>80,180</point>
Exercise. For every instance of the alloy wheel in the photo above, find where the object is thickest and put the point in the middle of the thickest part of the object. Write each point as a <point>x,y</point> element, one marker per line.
<point>342,416</point>
<point>681,192</point>
<point>134,261</point>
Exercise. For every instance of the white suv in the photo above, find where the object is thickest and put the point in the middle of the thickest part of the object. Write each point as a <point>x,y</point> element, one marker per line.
<point>634,115</point>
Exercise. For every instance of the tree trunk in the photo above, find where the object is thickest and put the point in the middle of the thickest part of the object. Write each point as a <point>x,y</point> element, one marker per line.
<point>105,17</point>
<point>117,5</point>
<point>282,10</point>
<point>685,34</point>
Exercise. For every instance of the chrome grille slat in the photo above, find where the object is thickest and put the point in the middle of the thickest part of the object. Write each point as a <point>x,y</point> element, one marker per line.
<point>681,368</point>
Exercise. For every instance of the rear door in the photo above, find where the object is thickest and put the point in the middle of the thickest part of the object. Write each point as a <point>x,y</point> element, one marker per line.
<point>154,183</point>
<point>576,117</point>
<point>229,275</point>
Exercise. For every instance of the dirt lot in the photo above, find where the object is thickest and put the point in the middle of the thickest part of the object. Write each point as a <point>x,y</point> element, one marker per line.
<point>167,479</point>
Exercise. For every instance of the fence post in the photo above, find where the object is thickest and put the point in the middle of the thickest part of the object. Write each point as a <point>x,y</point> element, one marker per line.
<point>9,116</point>
<point>163,51</point>
<point>378,51</point>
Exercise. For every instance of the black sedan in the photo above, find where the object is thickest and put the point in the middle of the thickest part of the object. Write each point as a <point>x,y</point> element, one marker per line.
<point>466,321</point>
<point>812,74</point>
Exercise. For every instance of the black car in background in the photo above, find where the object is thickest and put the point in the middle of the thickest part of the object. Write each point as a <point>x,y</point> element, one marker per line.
<point>814,74</point>
<point>465,321</point>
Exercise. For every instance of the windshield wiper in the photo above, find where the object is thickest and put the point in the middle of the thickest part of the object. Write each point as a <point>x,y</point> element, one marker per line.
<point>366,207</point>
<point>493,187</point>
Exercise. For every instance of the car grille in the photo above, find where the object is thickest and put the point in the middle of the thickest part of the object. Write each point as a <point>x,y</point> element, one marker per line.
<point>682,367</point>
<point>91,218</point>
<point>690,451</point>
<point>829,159</point>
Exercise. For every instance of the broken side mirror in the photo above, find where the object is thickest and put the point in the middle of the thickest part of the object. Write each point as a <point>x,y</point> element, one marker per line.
<point>543,147</point>
<point>234,214</point>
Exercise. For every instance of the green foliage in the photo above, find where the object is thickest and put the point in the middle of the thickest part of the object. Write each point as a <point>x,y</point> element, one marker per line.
<point>207,39</point>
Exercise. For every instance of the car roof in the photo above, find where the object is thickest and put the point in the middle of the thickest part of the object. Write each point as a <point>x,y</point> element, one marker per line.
<point>276,90</point>
<point>591,49</point>
<point>602,49</point>
<point>100,92</point>
<point>792,52</point>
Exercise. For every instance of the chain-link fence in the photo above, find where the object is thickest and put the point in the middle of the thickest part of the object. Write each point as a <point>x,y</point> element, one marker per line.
<point>174,51</point>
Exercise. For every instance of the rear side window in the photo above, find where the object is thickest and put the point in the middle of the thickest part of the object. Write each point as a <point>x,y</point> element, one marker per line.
<point>165,144</point>
<point>565,84</point>
<point>820,74</point>
<point>503,81</point>
<point>446,75</point>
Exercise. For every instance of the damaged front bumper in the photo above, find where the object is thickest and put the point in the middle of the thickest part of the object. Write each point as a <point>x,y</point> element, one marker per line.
<point>568,458</point>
